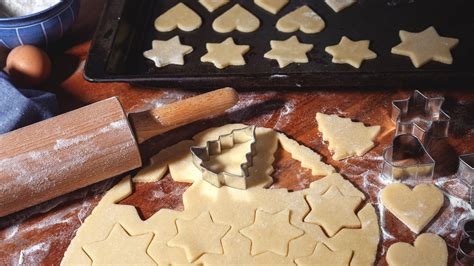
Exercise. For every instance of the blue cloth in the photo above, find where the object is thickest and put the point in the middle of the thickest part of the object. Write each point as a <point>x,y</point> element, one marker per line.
<point>21,107</point>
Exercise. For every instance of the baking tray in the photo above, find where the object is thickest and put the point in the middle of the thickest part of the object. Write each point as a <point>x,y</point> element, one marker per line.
<point>126,29</point>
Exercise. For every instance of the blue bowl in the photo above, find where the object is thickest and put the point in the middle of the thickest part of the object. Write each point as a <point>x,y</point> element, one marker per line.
<point>41,28</point>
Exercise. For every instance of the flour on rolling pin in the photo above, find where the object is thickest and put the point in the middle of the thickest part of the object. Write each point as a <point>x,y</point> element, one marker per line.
<point>16,8</point>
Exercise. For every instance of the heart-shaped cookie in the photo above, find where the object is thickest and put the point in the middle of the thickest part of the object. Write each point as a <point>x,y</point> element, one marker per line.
<point>272,6</point>
<point>236,18</point>
<point>415,208</point>
<point>428,249</point>
<point>180,16</point>
<point>304,19</point>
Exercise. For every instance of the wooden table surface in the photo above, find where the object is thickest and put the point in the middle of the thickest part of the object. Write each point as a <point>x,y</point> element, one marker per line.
<point>40,235</point>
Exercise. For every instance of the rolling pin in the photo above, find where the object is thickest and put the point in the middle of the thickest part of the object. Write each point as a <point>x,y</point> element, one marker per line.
<point>73,150</point>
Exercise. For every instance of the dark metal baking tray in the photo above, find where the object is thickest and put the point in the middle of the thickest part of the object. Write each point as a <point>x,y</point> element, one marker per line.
<point>126,30</point>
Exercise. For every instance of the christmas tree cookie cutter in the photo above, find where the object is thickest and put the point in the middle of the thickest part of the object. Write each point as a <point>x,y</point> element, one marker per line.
<point>466,174</point>
<point>420,116</point>
<point>407,158</point>
<point>202,155</point>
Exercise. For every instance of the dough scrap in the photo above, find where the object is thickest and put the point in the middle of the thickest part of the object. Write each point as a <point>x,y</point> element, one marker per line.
<point>425,46</point>
<point>289,51</point>
<point>346,138</point>
<point>271,232</point>
<point>191,234</point>
<point>303,18</point>
<point>121,248</point>
<point>350,52</point>
<point>272,6</point>
<point>170,52</point>
<point>232,207</point>
<point>323,256</point>
<point>415,208</point>
<point>338,5</point>
<point>236,18</point>
<point>428,250</point>
<point>308,158</point>
<point>213,5</point>
<point>333,211</point>
<point>225,54</point>
<point>180,16</point>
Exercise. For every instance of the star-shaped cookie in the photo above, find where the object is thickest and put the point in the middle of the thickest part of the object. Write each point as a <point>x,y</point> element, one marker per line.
<point>322,255</point>
<point>119,248</point>
<point>333,211</point>
<point>225,54</point>
<point>198,236</point>
<point>350,52</point>
<point>168,52</point>
<point>289,51</point>
<point>425,46</point>
<point>271,232</point>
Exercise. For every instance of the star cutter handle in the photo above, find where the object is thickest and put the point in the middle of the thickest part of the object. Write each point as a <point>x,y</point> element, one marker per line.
<point>466,174</point>
<point>420,116</point>
<point>407,158</point>
<point>464,254</point>
<point>202,155</point>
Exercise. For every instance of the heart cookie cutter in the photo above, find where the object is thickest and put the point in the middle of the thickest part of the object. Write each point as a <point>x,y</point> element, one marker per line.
<point>420,116</point>
<point>202,156</point>
<point>407,157</point>
<point>466,173</point>
<point>465,250</point>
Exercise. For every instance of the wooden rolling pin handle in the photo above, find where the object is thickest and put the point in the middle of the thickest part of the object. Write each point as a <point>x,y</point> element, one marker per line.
<point>153,122</point>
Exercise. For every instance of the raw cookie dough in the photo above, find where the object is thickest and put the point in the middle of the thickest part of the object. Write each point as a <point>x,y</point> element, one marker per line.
<point>425,46</point>
<point>225,54</point>
<point>346,138</point>
<point>121,248</point>
<point>428,250</point>
<point>212,5</point>
<point>288,51</point>
<point>350,52</point>
<point>303,18</point>
<point>338,5</point>
<point>272,6</point>
<point>229,207</point>
<point>323,256</point>
<point>180,16</point>
<point>333,211</point>
<point>168,52</point>
<point>236,18</point>
<point>415,208</point>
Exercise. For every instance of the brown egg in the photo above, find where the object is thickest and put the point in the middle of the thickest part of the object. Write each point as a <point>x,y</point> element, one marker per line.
<point>28,65</point>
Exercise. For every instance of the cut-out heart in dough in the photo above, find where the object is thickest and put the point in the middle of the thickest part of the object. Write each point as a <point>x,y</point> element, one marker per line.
<point>236,18</point>
<point>304,19</point>
<point>415,208</point>
<point>429,249</point>
<point>272,6</point>
<point>180,16</point>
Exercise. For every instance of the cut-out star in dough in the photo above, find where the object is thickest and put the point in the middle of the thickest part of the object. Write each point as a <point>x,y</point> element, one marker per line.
<point>168,52</point>
<point>121,248</point>
<point>338,5</point>
<point>288,51</point>
<point>346,138</point>
<point>425,46</point>
<point>322,256</point>
<point>198,236</point>
<point>333,211</point>
<point>350,52</point>
<point>212,5</point>
<point>271,232</point>
<point>272,6</point>
<point>226,53</point>
<point>180,16</point>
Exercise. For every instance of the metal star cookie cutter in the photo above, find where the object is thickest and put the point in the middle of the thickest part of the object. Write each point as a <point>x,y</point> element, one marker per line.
<point>407,157</point>
<point>202,155</point>
<point>420,116</point>
<point>466,245</point>
<point>466,173</point>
